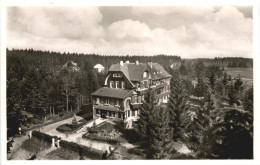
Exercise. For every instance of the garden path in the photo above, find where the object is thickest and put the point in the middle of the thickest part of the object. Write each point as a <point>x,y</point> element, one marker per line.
<point>77,137</point>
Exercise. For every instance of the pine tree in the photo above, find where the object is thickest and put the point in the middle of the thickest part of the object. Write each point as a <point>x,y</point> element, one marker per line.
<point>236,137</point>
<point>206,119</point>
<point>160,139</point>
<point>212,80</point>
<point>146,110</point>
<point>177,107</point>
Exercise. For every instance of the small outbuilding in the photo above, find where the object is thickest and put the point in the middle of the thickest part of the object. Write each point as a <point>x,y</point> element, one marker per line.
<point>71,66</point>
<point>99,68</point>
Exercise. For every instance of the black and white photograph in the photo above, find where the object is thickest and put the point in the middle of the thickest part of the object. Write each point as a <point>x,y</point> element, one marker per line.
<point>129,82</point>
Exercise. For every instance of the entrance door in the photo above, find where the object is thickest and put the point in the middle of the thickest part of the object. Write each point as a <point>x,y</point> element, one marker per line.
<point>103,114</point>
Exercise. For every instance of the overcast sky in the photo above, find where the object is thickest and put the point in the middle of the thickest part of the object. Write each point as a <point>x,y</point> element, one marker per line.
<point>190,32</point>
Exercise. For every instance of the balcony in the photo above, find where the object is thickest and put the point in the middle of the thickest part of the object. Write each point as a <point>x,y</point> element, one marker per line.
<point>135,105</point>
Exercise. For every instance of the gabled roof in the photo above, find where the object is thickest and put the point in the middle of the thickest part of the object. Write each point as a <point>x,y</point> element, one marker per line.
<point>112,92</point>
<point>158,72</point>
<point>135,72</point>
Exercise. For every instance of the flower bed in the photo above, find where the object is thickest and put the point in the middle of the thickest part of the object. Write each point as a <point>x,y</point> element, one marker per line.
<point>105,133</point>
<point>69,128</point>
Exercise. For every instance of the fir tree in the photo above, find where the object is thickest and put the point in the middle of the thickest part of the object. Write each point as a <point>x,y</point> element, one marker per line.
<point>235,135</point>
<point>206,119</point>
<point>177,107</point>
<point>146,110</point>
<point>160,139</point>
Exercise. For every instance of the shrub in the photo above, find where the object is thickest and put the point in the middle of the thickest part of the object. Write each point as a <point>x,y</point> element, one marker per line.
<point>136,151</point>
<point>64,128</point>
<point>69,128</point>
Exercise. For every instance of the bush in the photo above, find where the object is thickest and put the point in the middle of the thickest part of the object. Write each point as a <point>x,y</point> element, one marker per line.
<point>136,151</point>
<point>92,130</point>
<point>69,128</point>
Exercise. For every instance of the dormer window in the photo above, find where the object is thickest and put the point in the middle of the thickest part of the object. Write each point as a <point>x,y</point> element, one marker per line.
<point>145,74</point>
<point>97,101</point>
<point>107,102</point>
<point>117,75</point>
<point>117,102</point>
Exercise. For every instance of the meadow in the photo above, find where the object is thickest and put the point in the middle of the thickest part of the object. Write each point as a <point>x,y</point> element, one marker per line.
<point>245,73</point>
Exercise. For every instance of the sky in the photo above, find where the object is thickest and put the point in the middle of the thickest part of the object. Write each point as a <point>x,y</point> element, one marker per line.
<point>186,31</point>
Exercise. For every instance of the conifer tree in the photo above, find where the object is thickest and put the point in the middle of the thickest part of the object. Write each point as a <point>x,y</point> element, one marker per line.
<point>204,122</point>
<point>146,110</point>
<point>160,140</point>
<point>177,107</point>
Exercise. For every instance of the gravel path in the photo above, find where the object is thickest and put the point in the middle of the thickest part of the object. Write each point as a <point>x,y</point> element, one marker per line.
<point>77,137</point>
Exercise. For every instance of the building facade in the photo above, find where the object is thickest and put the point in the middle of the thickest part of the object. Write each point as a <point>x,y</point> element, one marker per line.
<point>124,89</point>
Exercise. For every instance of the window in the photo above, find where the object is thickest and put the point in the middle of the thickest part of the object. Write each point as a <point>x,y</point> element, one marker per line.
<point>109,113</point>
<point>113,114</point>
<point>117,75</point>
<point>117,102</point>
<point>128,113</point>
<point>97,111</point>
<point>123,85</point>
<point>117,84</point>
<point>127,103</point>
<point>133,113</point>
<point>119,114</point>
<point>111,84</point>
<point>107,101</point>
<point>142,97</point>
<point>145,74</point>
<point>145,84</point>
<point>98,101</point>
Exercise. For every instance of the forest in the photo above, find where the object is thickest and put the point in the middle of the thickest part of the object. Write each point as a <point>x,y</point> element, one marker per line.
<point>213,116</point>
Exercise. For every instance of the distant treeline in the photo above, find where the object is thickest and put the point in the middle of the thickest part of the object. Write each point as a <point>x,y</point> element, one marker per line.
<point>230,62</point>
<point>53,60</point>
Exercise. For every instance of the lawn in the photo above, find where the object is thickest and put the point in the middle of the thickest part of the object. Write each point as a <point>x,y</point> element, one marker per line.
<point>34,145</point>
<point>62,154</point>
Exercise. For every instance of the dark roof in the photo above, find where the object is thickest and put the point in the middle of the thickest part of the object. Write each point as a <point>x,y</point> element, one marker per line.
<point>135,72</point>
<point>112,92</point>
<point>158,72</point>
<point>109,108</point>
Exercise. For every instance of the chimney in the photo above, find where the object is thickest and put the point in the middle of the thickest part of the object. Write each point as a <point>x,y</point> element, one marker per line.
<point>127,62</point>
<point>150,64</point>
<point>137,62</point>
<point>121,63</point>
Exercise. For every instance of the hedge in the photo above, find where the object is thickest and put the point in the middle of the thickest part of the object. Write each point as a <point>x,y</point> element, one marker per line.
<point>87,151</point>
<point>43,136</point>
